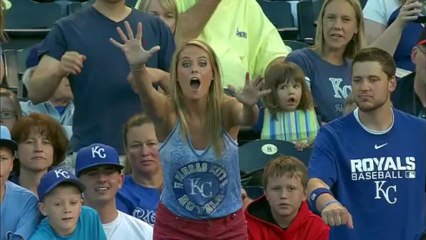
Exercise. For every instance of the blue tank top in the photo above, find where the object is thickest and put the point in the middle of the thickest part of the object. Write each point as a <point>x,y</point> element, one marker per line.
<point>197,185</point>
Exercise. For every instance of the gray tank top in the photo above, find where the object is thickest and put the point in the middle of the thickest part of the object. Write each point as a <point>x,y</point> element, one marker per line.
<point>197,185</point>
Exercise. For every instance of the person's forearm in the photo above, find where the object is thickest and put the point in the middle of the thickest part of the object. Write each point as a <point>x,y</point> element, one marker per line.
<point>166,85</point>
<point>314,184</point>
<point>143,81</point>
<point>152,101</point>
<point>43,84</point>
<point>249,115</point>
<point>162,78</point>
<point>192,22</point>
<point>389,39</point>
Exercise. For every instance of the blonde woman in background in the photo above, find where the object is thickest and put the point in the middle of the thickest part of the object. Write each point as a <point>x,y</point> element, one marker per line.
<point>164,9</point>
<point>327,64</point>
<point>140,194</point>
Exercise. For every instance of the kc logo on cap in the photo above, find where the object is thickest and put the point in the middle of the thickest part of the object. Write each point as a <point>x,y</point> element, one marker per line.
<point>94,155</point>
<point>98,151</point>
<point>61,173</point>
<point>53,178</point>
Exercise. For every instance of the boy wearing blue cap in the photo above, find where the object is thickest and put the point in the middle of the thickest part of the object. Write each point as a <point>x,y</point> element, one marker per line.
<point>98,167</point>
<point>17,221</point>
<point>66,219</point>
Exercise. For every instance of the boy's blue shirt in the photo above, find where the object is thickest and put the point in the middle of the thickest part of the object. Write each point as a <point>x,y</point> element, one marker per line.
<point>89,226</point>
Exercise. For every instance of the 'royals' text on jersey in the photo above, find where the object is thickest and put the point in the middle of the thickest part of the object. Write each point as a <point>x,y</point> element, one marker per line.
<point>380,178</point>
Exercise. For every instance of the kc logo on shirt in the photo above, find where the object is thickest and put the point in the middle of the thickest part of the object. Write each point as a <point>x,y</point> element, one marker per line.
<point>380,170</point>
<point>200,187</point>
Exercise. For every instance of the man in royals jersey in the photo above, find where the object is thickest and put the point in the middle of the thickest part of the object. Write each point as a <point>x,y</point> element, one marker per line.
<point>367,171</point>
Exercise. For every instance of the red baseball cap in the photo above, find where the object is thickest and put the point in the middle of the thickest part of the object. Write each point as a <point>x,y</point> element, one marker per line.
<point>422,39</point>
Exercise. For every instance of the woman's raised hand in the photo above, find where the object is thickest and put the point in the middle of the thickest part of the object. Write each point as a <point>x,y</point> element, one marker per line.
<point>132,46</point>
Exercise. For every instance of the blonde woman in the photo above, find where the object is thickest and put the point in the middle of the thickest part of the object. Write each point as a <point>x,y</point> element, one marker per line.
<point>140,194</point>
<point>327,64</point>
<point>164,9</point>
<point>197,127</point>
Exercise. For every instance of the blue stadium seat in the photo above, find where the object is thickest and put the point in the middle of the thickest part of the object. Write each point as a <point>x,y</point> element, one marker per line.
<point>14,68</point>
<point>363,2</point>
<point>316,6</point>
<point>26,14</point>
<point>254,155</point>
<point>306,19</point>
<point>295,44</point>
<point>279,13</point>
<point>254,192</point>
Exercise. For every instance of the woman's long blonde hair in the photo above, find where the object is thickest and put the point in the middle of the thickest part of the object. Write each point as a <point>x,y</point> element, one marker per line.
<point>358,40</point>
<point>214,98</point>
<point>168,5</point>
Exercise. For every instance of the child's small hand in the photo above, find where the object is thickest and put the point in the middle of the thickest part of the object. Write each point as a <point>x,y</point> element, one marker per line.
<point>301,146</point>
<point>245,198</point>
<point>251,92</point>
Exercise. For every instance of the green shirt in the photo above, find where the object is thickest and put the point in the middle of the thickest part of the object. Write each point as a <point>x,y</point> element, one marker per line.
<point>242,37</point>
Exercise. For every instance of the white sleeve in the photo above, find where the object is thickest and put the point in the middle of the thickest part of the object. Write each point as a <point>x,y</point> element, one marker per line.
<point>380,10</point>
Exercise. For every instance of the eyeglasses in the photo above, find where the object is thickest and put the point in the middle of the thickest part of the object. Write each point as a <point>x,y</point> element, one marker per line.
<point>7,115</point>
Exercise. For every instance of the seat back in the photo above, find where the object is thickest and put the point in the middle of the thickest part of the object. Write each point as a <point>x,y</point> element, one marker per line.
<point>279,13</point>
<point>26,14</point>
<point>306,19</point>
<point>295,44</point>
<point>254,155</point>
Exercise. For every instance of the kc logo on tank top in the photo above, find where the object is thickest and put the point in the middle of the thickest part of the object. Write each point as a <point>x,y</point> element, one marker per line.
<point>200,187</point>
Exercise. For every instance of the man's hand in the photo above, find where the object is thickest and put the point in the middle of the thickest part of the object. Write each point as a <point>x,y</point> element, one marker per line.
<point>71,63</point>
<point>335,215</point>
<point>132,46</point>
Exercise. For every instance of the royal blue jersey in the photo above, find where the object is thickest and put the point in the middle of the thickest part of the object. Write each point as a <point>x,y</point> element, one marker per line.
<point>378,177</point>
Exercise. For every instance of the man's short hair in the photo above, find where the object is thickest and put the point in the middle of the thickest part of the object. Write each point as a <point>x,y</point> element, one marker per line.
<point>285,166</point>
<point>377,55</point>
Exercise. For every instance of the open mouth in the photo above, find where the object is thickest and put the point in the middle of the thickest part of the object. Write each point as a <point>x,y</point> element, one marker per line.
<point>291,100</point>
<point>195,83</point>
